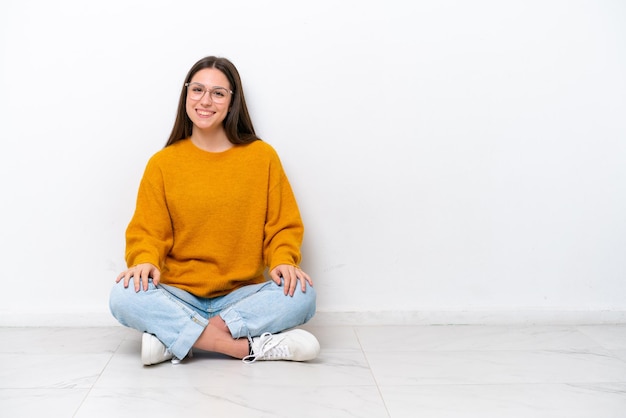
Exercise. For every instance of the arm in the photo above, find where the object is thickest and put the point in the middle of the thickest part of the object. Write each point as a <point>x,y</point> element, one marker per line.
<point>149,235</point>
<point>283,233</point>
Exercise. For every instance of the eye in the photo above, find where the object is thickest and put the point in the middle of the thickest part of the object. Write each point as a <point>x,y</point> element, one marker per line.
<point>221,93</point>
<point>196,89</point>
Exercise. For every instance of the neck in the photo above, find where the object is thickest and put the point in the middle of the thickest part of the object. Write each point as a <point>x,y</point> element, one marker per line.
<point>210,140</point>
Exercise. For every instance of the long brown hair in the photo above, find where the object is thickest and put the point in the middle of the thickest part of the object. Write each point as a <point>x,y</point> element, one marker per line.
<point>237,124</point>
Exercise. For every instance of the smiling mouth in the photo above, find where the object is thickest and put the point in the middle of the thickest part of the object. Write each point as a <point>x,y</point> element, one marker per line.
<point>203,112</point>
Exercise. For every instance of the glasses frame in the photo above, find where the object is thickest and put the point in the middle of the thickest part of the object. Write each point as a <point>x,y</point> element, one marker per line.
<point>207,89</point>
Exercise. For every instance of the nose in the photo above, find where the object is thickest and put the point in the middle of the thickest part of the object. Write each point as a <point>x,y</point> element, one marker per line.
<point>206,98</point>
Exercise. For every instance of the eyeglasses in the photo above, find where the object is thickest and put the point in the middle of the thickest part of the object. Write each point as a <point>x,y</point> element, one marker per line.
<point>196,91</point>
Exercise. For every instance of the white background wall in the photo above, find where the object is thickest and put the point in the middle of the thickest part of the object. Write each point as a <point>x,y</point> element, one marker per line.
<point>466,157</point>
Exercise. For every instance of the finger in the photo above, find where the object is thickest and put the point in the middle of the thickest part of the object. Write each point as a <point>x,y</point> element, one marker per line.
<point>145,275</point>
<point>293,282</point>
<point>134,274</point>
<point>156,277</point>
<point>304,278</point>
<point>275,275</point>
<point>288,281</point>
<point>307,278</point>
<point>127,276</point>
<point>137,281</point>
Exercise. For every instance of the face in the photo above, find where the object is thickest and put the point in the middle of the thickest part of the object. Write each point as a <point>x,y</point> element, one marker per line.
<point>204,112</point>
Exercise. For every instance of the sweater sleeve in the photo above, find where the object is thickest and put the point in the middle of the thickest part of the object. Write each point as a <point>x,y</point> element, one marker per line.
<point>149,235</point>
<point>283,227</point>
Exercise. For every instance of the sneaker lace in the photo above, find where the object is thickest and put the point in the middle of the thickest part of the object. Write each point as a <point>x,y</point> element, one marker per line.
<point>267,348</point>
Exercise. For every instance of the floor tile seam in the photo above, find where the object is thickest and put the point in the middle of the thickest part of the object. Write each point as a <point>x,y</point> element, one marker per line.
<point>222,385</point>
<point>599,342</point>
<point>60,354</point>
<point>376,384</point>
<point>469,326</point>
<point>564,351</point>
<point>495,383</point>
<point>369,367</point>
<point>95,382</point>
<point>486,384</point>
<point>46,388</point>
<point>341,350</point>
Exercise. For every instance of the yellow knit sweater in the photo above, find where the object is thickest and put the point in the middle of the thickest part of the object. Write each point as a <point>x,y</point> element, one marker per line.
<point>213,222</point>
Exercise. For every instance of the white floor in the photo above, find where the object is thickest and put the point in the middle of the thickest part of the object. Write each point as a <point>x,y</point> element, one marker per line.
<point>412,371</point>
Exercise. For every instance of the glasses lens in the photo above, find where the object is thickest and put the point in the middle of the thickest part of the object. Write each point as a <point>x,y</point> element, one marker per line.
<point>219,95</point>
<point>195,91</point>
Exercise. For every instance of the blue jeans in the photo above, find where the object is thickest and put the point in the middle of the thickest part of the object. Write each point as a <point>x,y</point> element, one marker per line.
<point>177,318</point>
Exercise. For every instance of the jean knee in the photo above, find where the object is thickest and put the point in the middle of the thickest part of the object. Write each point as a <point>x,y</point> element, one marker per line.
<point>119,301</point>
<point>307,303</point>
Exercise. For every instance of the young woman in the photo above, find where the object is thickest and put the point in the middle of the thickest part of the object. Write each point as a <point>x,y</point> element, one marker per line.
<point>214,212</point>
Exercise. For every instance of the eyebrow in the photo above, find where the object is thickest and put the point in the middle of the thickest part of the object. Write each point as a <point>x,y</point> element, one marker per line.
<point>213,87</point>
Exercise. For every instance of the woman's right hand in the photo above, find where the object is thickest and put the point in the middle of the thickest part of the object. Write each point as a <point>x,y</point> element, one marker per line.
<point>140,275</point>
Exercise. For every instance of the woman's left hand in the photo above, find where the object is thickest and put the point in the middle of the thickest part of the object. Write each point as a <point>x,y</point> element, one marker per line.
<point>290,276</point>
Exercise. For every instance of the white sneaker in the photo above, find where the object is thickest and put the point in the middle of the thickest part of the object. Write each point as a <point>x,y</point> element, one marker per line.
<point>294,345</point>
<point>153,351</point>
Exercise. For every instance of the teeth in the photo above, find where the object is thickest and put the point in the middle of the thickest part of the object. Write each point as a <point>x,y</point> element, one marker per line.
<point>203,113</point>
